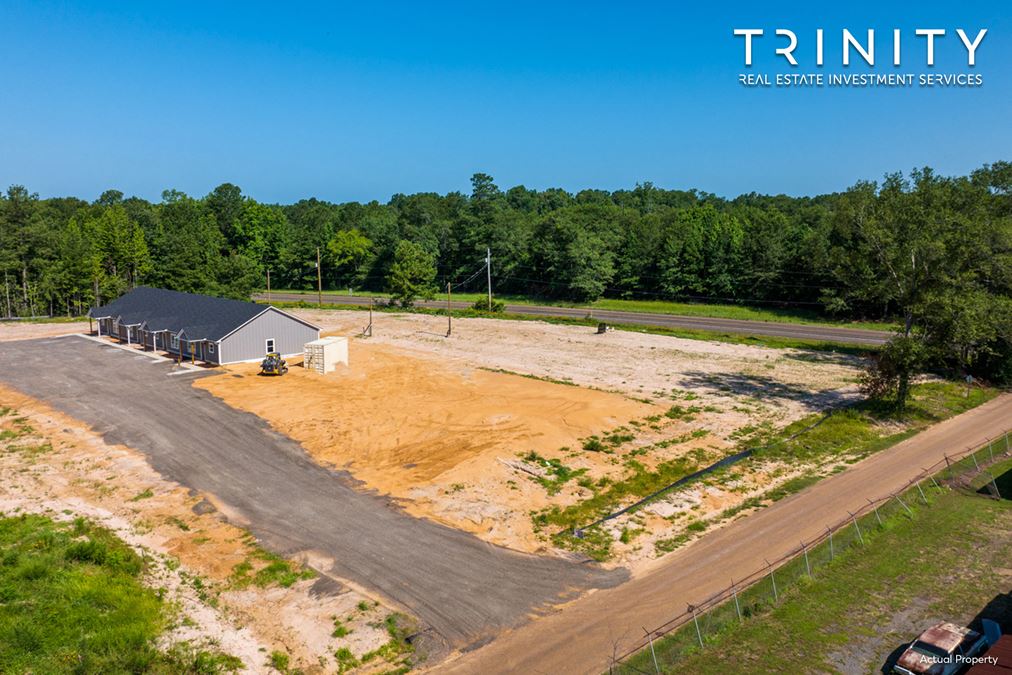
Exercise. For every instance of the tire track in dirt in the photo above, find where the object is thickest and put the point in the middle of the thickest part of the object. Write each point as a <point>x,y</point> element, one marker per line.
<point>466,590</point>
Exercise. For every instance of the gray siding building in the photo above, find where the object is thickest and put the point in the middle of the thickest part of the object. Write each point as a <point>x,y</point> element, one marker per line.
<point>200,327</point>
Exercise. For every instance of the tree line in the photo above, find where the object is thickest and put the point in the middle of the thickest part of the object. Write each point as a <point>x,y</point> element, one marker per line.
<point>932,251</point>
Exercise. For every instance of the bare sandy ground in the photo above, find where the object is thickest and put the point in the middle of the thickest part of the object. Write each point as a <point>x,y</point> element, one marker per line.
<point>63,469</point>
<point>794,382</point>
<point>443,424</point>
<point>26,330</point>
<point>433,435</point>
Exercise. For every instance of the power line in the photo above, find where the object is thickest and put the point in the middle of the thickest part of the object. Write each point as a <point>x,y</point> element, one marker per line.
<point>470,278</point>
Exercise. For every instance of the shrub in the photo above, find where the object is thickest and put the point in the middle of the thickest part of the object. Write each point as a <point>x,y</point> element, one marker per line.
<point>89,551</point>
<point>279,661</point>
<point>498,306</point>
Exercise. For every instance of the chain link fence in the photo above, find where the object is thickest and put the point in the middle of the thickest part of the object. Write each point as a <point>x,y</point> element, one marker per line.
<point>753,595</point>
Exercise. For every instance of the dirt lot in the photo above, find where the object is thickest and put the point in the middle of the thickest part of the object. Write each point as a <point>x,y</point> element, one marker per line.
<point>451,429</point>
<point>55,465</point>
<point>26,330</point>
<point>461,589</point>
<point>404,424</point>
<point>793,382</point>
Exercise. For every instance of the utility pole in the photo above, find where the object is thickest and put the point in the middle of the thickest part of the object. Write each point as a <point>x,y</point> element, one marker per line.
<point>488,270</point>
<point>319,279</point>
<point>449,313</point>
<point>268,285</point>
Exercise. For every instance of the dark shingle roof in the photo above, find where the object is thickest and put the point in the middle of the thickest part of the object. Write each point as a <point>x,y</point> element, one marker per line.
<point>199,316</point>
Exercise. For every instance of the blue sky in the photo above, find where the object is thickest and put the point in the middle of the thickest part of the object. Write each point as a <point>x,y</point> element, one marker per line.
<point>357,102</point>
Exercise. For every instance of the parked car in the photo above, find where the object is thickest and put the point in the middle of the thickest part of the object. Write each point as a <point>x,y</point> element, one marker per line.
<point>943,649</point>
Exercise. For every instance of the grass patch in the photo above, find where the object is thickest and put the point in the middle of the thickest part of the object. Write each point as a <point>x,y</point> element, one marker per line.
<point>186,658</point>
<point>345,660</point>
<point>849,606</point>
<point>47,319</point>
<point>868,427</point>
<point>607,496</point>
<point>541,378</point>
<point>340,630</point>
<point>16,427</point>
<point>686,414</point>
<point>713,310</point>
<point>278,661</point>
<point>1001,472</point>
<point>71,600</point>
<point>398,650</point>
<point>262,569</point>
<point>146,494</point>
<point>796,484</point>
<point>848,435</point>
<point>178,522</point>
<point>558,473</point>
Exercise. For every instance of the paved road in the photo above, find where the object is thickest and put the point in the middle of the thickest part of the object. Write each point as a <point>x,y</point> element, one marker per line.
<point>734,326</point>
<point>580,639</point>
<point>463,588</point>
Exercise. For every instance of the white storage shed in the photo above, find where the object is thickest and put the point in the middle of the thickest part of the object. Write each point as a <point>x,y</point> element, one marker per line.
<point>325,354</point>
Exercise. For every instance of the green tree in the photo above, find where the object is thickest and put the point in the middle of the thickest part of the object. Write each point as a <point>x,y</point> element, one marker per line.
<point>412,274</point>
<point>350,253</point>
<point>259,234</point>
<point>896,246</point>
<point>574,249</point>
<point>888,376</point>
<point>225,204</point>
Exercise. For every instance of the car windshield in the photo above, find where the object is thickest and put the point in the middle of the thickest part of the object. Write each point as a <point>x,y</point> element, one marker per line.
<point>928,649</point>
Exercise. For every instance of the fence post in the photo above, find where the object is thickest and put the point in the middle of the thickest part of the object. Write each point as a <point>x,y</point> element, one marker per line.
<point>860,537</point>
<point>695,621</point>
<point>909,512</point>
<point>923,498</point>
<point>650,636</point>
<point>990,449</point>
<point>734,592</point>
<point>776,596</point>
<point>1006,443</point>
<point>994,484</point>
<point>935,482</point>
<point>948,465</point>
<point>807,566</point>
<point>874,507</point>
<point>973,454</point>
<point>830,542</point>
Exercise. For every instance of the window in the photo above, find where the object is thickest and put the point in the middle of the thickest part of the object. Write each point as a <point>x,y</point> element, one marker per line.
<point>270,345</point>
<point>210,347</point>
<point>175,341</point>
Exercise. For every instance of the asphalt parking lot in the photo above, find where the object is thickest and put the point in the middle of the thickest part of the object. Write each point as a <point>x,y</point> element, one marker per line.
<point>462,588</point>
